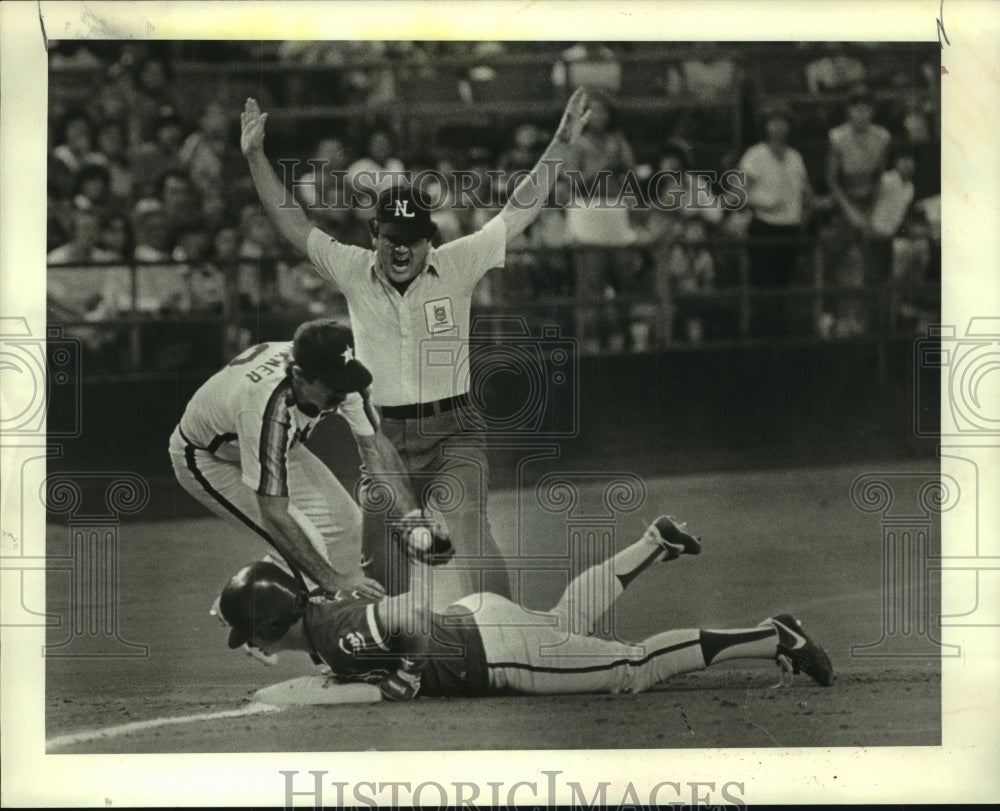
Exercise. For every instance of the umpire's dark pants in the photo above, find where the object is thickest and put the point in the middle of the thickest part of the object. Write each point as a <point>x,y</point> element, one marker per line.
<point>447,466</point>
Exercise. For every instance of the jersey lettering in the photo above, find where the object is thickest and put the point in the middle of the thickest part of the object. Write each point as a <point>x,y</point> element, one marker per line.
<point>354,643</point>
<point>248,355</point>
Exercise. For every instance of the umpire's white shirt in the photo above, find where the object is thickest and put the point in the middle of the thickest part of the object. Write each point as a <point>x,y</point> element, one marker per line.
<point>415,345</point>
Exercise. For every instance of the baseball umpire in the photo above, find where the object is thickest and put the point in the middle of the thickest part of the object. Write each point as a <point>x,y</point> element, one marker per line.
<point>405,296</point>
<point>484,644</point>
<point>239,450</point>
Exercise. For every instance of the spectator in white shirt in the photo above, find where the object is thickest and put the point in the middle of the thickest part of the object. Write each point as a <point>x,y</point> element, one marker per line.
<point>894,195</point>
<point>71,284</point>
<point>779,196</point>
<point>160,285</point>
<point>76,290</point>
<point>857,157</point>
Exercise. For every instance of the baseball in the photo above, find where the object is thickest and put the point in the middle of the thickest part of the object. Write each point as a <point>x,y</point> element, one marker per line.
<point>421,539</point>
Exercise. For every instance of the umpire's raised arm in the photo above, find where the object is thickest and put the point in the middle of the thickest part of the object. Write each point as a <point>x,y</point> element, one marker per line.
<point>280,206</point>
<point>528,198</point>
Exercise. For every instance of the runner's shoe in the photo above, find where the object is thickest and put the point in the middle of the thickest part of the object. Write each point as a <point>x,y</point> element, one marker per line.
<point>797,652</point>
<point>672,536</point>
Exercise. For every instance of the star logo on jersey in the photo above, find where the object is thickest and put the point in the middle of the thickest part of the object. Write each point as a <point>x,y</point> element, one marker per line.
<point>347,355</point>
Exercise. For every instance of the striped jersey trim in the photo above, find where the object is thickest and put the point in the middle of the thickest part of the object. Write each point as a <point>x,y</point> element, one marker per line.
<point>594,668</point>
<point>373,628</point>
<point>273,449</point>
<point>219,440</point>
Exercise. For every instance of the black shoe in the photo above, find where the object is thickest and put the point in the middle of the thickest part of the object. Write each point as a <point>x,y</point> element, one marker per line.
<point>672,535</point>
<point>798,653</point>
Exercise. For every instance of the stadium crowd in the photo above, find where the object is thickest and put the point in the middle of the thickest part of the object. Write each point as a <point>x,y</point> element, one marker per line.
<point>146,181</point>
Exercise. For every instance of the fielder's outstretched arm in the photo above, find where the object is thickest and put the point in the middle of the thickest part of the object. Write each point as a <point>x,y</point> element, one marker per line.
<point>293,544</point>
<point>381,461</point>
<point>279,204</point>
<point>379,458</point>
<point>531,193</point>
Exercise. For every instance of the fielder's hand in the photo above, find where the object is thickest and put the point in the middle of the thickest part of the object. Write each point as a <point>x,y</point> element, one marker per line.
<point>427,538</point>
<point>574,118</point>
<point>364,586</point>
<point>252,121</point>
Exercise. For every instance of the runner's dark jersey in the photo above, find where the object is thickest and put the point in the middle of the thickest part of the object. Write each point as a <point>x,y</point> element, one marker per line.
<point>347,634</point>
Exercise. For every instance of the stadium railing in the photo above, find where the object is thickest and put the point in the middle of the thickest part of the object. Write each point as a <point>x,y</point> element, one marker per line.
<point>649,312</point>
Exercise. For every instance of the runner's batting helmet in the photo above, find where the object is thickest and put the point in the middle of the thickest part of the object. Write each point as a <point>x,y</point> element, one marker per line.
<point>260,603</point>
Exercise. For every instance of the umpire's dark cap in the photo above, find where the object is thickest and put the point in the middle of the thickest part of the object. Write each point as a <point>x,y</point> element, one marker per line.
<point>261,602</point>
<point>403,213</point>
<point>324,349</point>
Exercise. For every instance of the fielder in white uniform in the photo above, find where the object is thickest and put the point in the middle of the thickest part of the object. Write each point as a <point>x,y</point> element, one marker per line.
<point>239,450</point>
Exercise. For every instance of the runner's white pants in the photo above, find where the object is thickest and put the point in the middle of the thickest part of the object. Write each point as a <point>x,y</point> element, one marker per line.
<point>535,653</point>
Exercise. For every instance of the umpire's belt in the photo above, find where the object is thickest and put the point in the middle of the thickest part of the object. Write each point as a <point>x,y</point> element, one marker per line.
<point>420,410</point>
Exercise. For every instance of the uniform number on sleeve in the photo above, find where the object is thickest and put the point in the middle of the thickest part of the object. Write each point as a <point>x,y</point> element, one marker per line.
<point>248,355</point>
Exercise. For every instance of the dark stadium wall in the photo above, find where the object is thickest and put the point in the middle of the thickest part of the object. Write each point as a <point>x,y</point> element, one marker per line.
<point>651,414</point>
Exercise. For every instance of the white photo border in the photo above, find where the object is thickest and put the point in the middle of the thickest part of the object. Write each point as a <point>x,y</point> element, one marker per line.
<point>962,770</point>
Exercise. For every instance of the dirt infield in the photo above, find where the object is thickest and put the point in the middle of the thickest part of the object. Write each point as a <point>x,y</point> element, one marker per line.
<point>776,541</point>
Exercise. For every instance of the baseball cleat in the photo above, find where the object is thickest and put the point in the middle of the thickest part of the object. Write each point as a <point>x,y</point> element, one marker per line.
<point>797,652</point>
<point>672,536</point>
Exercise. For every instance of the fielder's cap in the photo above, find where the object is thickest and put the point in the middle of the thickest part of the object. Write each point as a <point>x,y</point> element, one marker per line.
<point>261,600</point>
<point>404,213</point>
<point>324,349</point>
